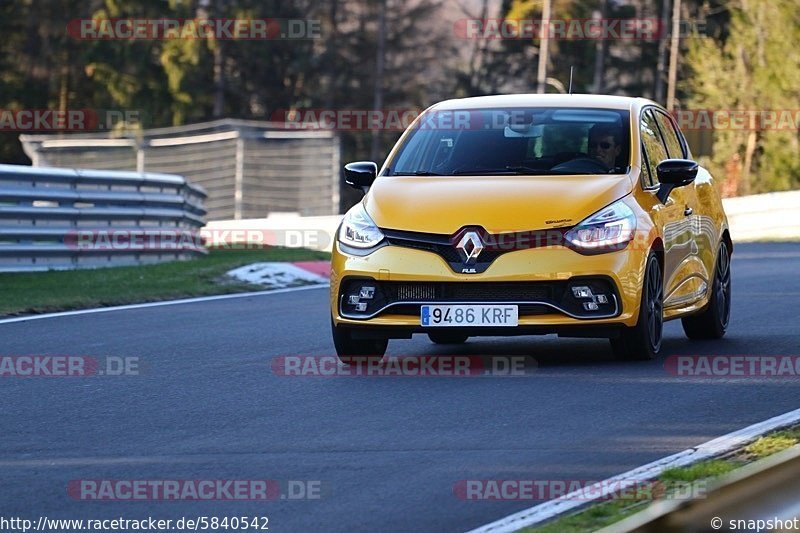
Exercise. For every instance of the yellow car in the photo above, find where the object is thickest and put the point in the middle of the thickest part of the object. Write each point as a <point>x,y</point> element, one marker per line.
<point>579,215</point>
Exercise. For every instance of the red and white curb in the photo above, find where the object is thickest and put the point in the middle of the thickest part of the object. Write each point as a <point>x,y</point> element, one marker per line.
<point>321,268</point>
<point>547,511</point>
<point>282,275</point>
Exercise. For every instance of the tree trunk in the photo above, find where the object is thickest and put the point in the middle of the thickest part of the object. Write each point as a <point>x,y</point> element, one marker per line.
<point>662,52</point>
<point>380,57</point>
<point>600,49</point>
<point>541,73</point>
<point>673,54</point>
<point>219,81</point>
<point>219,65</point>
<point>476,60</point>
<point>750,148</point>
<point>330,52</point>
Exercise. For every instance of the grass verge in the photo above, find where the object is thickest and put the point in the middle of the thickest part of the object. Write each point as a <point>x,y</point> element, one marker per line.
<point>41,292</point>
<point>685,480</point>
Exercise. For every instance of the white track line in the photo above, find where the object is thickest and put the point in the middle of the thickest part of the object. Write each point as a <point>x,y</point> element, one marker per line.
<point>570,502</point>
<point>160,304</point>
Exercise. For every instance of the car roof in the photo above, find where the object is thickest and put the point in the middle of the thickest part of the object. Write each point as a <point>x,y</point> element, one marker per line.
<point>602,101</point>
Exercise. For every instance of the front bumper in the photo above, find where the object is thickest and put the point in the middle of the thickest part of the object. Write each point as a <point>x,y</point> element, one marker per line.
<point>543,274</point>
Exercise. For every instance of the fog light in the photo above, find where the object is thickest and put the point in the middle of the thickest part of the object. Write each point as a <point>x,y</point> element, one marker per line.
<point>361,307</point>
<point>582,292</point>
<point>601,299</point>
<point>590,306</point>
<point>367,293</point>
<point>353,299</point>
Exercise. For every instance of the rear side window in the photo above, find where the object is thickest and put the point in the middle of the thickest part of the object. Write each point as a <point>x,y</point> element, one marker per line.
<point>674,146</point>
<point>654,149</point>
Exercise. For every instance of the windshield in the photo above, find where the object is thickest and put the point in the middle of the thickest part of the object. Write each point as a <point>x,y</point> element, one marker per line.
<point>525,141</point>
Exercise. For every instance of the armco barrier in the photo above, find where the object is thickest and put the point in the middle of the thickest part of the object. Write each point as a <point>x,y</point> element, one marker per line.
<point>45,211</point>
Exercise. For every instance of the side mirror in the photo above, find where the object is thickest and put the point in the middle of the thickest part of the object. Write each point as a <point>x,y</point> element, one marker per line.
<point>360,175</point>
<point>674,173</point>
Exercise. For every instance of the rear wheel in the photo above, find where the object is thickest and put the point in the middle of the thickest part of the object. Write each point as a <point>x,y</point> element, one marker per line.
<point>447,337</point>
<point>713,321</point>
<point>643,341</point>
<point>353,351</point>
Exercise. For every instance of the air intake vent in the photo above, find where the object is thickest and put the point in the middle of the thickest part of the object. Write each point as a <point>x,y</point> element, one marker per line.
<point>415,291</point>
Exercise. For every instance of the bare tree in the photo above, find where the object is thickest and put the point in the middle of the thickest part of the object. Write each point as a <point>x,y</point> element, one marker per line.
<point>600,50</point>
<point>662,52</point>
<point>380,60</point>
<point>541,72</point>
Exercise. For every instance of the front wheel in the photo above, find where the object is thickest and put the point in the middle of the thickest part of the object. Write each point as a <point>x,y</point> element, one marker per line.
<point>353,351</point>
<point>643,341</point>
<point>713,321</point>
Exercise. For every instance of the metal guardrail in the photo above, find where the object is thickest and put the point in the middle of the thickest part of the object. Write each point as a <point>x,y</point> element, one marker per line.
<point>768,489</point>
<point>56,218</point>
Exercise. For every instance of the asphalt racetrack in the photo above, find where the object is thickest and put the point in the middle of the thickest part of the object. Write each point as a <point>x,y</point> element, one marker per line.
<point>384,453</point>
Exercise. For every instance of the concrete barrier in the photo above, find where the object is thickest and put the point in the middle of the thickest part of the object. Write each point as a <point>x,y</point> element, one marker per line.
<point>279,229</point>
<point>762,217</point>
<point>758,217</point>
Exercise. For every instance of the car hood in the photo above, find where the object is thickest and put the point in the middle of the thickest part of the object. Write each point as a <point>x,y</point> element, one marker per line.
<point>445,204</point>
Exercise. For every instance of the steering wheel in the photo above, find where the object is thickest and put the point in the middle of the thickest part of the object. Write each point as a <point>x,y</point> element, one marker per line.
<point>563,157</point>
<point>583,164</point>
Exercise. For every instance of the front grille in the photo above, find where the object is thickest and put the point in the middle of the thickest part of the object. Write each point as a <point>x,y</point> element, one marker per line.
<point>446,251</point>
<point>413,291</point>
<point>495,245</point>
<point>533,297</point>
<point>468,292</point>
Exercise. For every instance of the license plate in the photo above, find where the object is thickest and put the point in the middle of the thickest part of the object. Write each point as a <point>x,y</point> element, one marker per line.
<point>468,315</point>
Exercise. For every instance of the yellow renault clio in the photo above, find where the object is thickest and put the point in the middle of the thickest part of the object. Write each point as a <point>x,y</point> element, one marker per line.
<point>578,215</point>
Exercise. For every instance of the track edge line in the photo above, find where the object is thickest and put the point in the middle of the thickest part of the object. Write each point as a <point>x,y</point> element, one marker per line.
<point>554,508</point>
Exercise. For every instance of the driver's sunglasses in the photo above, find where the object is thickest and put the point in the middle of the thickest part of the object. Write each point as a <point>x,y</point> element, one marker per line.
<point>603,144</point>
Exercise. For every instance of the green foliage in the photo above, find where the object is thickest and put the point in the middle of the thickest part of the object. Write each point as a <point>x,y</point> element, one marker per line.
<point>749,62</point>
<point>170,82</point>
<point>756,68</point>
<point>702,470</point>
<point>628,65</point>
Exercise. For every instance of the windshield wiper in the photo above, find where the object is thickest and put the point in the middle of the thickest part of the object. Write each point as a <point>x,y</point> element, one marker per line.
<point>520,170</point>
<point>480,172</point>
<point>417,173</point>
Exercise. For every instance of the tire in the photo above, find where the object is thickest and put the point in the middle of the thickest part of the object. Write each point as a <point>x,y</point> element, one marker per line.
<point>447,337</point>
<point>642,342</point>
<point>713,321</point>
<point>357,351</point>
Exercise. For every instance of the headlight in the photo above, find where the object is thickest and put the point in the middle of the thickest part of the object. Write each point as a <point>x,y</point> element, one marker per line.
<point>358,230</point>
<point>612,227</point>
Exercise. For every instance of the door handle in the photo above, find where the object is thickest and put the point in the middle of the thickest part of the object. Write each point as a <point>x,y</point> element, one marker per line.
<point>688,211</point>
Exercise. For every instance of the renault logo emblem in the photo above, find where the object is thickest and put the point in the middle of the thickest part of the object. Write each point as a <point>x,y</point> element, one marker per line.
<point>470,247</point>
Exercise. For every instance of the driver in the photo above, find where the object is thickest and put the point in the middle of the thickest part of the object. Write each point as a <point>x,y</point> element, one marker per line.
<point>605,144</point>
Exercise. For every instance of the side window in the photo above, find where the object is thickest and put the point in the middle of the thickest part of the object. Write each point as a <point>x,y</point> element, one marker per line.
<point>674,146</point>
<point>653,146</point>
